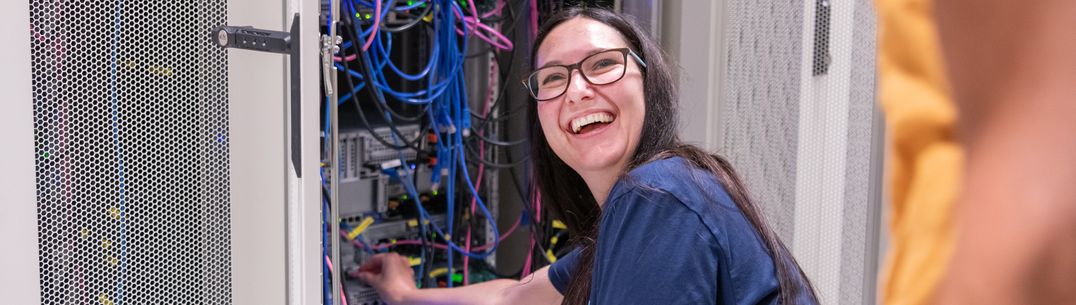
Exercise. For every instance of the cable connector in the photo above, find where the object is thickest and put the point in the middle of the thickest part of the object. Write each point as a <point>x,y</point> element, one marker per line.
<point>391,164</point>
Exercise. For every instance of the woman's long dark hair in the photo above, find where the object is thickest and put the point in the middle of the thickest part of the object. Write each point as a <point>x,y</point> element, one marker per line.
<point>569,198</point>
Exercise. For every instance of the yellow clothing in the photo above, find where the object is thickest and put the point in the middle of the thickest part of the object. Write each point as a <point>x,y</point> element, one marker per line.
<point>925,161</point>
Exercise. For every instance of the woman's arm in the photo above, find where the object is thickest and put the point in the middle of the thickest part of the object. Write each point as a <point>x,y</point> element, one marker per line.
<point>392,277</point>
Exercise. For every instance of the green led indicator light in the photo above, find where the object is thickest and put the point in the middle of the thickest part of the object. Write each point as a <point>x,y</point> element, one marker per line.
<point>404,197</point>
<point>435,192</point>
<point>45,154</point>
<point>368,16</point>
<point>456,277</point>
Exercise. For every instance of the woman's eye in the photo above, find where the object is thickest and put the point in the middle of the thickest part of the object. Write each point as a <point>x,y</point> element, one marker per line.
<point>604,63</point>
<point>552,78</point>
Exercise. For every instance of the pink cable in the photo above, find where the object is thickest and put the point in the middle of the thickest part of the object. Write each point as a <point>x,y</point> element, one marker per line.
<point>537,200</point>
<point>474,9</point>
<point>467,247</point>
<point>343,297</point>
<point>496,11</point>
<point>527,263</point>
<point>481,168</point>
<point>377,24</point>
<point>538,204</point>
<point>499,40</point>
<point>467,259</point>
<point>538,215</point>
<point>534,19</point>
<point>492,41</point>
<point>475,24</point>
<point>348,58</point>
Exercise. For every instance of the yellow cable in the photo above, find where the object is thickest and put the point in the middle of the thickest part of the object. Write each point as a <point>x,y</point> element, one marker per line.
<point>366,222</point>
<point>439,272</point>
<point>559,225</point>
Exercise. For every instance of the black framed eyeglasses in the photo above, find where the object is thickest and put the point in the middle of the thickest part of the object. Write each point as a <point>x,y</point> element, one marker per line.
<point>601,68</point>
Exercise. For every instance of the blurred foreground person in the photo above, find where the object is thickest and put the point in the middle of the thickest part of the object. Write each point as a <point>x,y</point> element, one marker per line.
<point>980,102</point>
<point>1012,67</point>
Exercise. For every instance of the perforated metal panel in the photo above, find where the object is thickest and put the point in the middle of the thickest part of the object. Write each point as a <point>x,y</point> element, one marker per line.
<point>799,124</point>
<point>761,103</point>
<point>131,135</point>
<point>859,235</point>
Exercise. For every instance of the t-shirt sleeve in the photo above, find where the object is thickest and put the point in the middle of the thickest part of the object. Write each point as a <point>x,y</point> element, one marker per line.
<point>654,250</point>
<point>560,272</point>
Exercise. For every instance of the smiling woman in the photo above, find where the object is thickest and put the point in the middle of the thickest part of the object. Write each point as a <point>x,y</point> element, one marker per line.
<point>609,88</point>
<point>654,217</point>
<point>655,221</point>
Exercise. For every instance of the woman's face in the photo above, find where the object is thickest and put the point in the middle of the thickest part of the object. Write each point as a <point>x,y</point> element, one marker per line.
<point>614,111</point>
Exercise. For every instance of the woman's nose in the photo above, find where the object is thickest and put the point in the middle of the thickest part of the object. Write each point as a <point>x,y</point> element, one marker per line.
<point>578,87</point>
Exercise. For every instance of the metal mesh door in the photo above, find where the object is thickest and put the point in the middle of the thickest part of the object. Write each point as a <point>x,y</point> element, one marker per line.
<point>131,145</point>
<point>761,103</point>
<point>799,124</point>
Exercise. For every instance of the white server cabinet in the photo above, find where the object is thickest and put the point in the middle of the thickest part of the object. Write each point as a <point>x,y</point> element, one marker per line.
<point>147,165</point>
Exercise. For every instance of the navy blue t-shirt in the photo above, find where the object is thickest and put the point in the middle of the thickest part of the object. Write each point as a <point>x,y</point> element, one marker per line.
<point>670,234</point>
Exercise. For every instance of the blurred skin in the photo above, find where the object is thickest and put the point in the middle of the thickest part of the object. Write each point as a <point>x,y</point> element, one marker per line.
<point>600,157</point>
<point>394,280</point>
<point>1012,65</point>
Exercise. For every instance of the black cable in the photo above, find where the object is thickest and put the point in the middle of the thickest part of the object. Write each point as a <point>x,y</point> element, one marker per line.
<point>497,103</point>
<point>524,196</point>
<point>485,125</point>
<point>494,165</point>
<point>422,111</point>
<point>563,250</point>
<point>412,144</point>
<point>487,163</point>
<point>382,108</point>
<point>410,24</point>
<point>471,151</point>
<point>479,135</point>
<point>365,65</point>
<point>510,113</point>
<point>350,22</point>
<point>505,73</point>
<point>486,120</point>
<point>536,225</point>
<point>362,116</point>
<point>511,27</point>
<point>485,49</point>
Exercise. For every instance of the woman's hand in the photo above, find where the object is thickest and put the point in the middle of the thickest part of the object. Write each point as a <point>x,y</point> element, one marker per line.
<point>391,275</point>
<point>393,278</point>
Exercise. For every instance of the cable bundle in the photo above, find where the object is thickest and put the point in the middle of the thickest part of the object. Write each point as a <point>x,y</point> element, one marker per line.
<point>442,106</point>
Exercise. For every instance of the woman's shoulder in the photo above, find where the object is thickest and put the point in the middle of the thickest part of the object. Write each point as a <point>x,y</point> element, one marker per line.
<point>654,193</point>
<point>676,177</point>
<point>673,188</point>
<point>671,215</point>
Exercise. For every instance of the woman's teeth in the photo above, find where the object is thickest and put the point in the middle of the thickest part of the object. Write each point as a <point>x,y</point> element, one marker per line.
<point>601,117</point>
